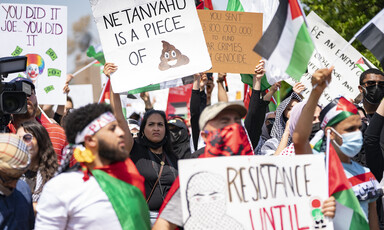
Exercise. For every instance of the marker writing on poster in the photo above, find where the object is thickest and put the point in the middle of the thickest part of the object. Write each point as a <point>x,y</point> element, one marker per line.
<point>31,21</point>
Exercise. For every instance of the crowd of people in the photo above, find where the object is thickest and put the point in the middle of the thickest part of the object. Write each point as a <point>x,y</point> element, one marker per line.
<point>92,168</point>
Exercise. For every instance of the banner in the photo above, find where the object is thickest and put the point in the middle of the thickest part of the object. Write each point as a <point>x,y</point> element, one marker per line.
<point>254,192</point>
<point>230,37</point>
<point>150,41</point>
<point>40,33</point>
<point>348,65</point>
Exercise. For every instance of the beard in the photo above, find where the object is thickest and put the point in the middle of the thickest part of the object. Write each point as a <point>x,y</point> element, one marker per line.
<point>112,154</point>
<point>31,112</point>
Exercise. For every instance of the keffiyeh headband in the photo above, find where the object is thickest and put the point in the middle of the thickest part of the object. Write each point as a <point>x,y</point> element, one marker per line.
<point>92,128</point>
<point>336,111</point>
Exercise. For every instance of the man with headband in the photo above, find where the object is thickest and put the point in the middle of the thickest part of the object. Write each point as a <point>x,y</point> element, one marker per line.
<point>107,193</point>
<point>16,211</point>
<point>340,116</point>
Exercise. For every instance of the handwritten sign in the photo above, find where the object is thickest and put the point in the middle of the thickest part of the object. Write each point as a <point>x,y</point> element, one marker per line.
<point>229,36</point>
<point>40,33</point>
<point>150,41</point>
<point>254,192</point>
<point>347,71</point>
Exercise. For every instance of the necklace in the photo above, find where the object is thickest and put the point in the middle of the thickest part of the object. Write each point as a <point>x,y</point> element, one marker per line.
<point>161,161</point>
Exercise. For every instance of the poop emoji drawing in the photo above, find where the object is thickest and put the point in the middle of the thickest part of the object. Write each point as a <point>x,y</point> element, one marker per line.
<point>171,57</point>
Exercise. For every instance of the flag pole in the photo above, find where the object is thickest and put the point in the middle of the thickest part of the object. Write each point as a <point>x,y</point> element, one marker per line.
<point>84,68</point>
<point>327,159</point>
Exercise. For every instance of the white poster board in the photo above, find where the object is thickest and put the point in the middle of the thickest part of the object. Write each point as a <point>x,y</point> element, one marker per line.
<point>150,41</point>
<point>40,33</point>
<point>253,192</point>
<point>81,94</point>
<point>329,44</point>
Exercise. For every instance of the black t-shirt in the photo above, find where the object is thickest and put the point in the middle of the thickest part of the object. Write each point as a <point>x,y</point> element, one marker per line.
<point>148,165</point>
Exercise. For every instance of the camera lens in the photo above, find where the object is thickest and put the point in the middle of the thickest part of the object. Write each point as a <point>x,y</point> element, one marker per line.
<point>11,104</point>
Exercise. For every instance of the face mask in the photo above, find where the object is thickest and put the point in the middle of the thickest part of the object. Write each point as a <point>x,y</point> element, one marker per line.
<point>352,143</point>
<point>315,129</point>
<point>373,94</point>
<point>228,141</point>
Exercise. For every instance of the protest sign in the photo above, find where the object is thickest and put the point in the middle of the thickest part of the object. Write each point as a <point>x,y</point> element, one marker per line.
<point>348,66</point>
<point>254,192</point>
<point>179,99</point>
<point>150,41</point>
<point>40,33</point>
<point>230,37</point>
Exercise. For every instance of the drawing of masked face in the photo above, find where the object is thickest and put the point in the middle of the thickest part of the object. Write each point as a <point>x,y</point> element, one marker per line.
<point>206,198</point>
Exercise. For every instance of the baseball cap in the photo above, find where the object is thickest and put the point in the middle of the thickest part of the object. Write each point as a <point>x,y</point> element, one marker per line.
<point>23,79</point>
<point>212,111</point>
<point>14,155</point>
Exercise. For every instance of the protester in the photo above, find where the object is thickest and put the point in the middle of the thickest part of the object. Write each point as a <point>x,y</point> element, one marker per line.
<point>55,131</point>
<point>16,211</point>
<point>180,137</point>
<point>152,152</point>
<point>278,128</point>
<point>341,118</point>
<point>108,192</point>
<point>43,157</point>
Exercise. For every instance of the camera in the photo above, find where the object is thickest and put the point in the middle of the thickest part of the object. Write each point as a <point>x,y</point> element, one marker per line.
<point>13,95</point>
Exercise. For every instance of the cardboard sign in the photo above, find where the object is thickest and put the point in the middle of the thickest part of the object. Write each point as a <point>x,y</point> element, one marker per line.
<point>347,71</point>
<point>254,192</point>
<point>40,33</point>
<point>150,41</point>
<point>230,37</point>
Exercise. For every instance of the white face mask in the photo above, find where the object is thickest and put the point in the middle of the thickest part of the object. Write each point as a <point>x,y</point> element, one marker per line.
<point>352,142</point>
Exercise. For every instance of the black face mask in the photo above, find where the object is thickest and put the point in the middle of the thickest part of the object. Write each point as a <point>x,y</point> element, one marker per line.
<point>315,129</point>
<point>175,134</point>
<point>269,128</point>
<point>270,122</point>
<point>373,94</point>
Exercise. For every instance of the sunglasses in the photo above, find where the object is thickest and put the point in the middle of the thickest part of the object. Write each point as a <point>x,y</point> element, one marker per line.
<point>373,83</point>
<point>27,138</point>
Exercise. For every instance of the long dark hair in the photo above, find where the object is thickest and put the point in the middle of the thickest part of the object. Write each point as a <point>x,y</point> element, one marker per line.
<point>47,155</point>
<point>168,145</point>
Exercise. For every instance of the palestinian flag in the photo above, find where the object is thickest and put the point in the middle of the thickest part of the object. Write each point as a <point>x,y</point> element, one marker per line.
<point>372,36</point>
<point>204,4</point>
<point>286,43</point>
<point>124,187</point>
<point>96,53</point>
<point>349,214</point>
<point>105,96</point>
<point>164,85</point>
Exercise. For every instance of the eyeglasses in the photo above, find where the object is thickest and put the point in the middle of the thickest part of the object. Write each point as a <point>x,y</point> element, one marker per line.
<point>373,83</point>
<point>27,138</point>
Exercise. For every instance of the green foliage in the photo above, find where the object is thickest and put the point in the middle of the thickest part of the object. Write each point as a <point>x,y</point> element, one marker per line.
<point>347,17</point>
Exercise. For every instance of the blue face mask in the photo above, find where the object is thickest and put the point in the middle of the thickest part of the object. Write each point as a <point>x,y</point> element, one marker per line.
<point>352,143</point>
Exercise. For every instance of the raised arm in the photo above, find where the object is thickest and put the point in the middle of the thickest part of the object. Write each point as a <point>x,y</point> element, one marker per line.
<point>109,68</point>
<point>373,150</point>
<point>221,92</point>
<point>257,107</point>
<point>300,138</point>
<point>195,110</point>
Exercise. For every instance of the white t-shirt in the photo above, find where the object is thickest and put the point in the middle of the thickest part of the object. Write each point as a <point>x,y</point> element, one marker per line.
<point>69,202</point>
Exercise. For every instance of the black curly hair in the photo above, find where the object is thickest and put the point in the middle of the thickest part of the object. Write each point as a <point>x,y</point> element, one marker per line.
<point>79,118</point>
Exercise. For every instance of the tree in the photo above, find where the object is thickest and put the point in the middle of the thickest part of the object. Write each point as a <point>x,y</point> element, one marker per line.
<point>347,17</point>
